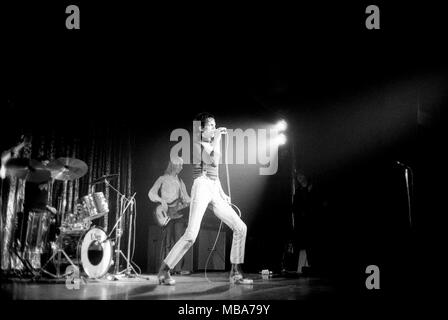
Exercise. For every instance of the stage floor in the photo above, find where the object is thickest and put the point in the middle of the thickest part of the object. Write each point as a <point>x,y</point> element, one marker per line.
<point>191,287</point>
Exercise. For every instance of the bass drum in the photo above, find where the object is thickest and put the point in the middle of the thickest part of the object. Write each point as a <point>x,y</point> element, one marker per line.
<point>91,251</point>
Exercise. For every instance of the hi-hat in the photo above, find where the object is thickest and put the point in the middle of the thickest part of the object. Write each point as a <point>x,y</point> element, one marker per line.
<point>67,169</point>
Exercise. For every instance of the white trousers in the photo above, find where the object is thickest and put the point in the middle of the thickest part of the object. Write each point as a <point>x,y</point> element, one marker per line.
<point>203,192</point>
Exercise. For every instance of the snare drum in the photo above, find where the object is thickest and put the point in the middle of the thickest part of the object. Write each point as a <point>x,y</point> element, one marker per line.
<point>94,205</point>
<point>90,250</point>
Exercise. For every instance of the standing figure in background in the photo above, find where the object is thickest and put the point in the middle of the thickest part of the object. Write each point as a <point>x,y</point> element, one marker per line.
<point>170,191</point>
<point>303,207</point>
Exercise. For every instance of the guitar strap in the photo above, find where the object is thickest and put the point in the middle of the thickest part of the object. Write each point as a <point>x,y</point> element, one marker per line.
<point>180,187</point>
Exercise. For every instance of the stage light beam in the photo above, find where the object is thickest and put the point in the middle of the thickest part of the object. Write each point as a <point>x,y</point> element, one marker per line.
<point>281,125</point>
<point>281,139</point>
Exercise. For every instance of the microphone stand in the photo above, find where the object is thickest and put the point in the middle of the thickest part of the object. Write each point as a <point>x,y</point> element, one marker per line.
<point>125,203</point>
<point>406,175</point>
<point>408,169</point>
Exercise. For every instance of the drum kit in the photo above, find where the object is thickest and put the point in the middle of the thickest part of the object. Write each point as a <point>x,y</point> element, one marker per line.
<point>76,242</point>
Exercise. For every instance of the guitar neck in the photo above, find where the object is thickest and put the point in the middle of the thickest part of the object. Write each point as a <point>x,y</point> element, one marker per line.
<point>177,208</point>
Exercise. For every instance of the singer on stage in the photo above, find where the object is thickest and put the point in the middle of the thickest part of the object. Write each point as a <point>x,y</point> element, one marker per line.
<point>207,190</point>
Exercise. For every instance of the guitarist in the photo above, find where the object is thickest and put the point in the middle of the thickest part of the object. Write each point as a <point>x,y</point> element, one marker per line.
<point>173,194</point>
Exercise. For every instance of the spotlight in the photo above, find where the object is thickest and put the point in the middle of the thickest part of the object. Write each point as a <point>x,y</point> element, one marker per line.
<point>281,139</point>
<point>281,125</point>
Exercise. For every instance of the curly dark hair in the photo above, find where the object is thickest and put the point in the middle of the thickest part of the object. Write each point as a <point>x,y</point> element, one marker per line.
<point>203,116</point>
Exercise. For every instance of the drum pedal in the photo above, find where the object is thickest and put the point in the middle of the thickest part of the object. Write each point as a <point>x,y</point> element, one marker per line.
<point>111,277</point>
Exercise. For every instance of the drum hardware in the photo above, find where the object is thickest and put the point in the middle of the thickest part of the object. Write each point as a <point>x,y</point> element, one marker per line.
<point>93,206</point>
<point>58,250</point>
<point>91,250</point>
<point>37,228</point>
<point>105,177</point>
<point>57,247</point>
<point>78,243</point>
<point>125,203</point>
<point>64,169</point>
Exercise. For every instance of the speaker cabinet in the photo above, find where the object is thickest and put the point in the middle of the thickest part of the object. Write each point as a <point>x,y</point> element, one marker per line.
<point>154,247</point>
<point>203,247</point>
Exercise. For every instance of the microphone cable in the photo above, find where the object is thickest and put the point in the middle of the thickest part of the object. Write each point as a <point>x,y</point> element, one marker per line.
<point>220,224</point>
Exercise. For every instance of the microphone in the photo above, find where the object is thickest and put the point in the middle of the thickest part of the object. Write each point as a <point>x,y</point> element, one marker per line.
<point>219,131</point>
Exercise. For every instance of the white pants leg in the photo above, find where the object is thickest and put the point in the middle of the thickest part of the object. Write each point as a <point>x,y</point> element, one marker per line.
<point>203,192</point>
<point>200,198</point>
<point>226,213</point>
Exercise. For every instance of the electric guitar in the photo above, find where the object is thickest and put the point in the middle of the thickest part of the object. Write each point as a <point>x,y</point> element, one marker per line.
<point>174,207</point>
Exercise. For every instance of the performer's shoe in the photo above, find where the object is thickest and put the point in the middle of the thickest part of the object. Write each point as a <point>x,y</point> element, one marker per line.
<point>237,278</point>
<point>166,279</point>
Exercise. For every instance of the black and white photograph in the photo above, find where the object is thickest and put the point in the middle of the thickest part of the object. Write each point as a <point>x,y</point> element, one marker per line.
<point>218,160</point>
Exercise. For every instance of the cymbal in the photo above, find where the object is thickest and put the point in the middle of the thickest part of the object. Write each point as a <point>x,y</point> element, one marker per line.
<point>17,163</point>
<point>105,177</point>
<point>27,169</point>
<point>17,167</point>
<point>67,169</point>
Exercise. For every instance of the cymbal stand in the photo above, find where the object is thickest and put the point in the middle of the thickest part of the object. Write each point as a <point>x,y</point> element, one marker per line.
<point>58,252</point>
<point>129,267</point>
<point>125,203</point>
